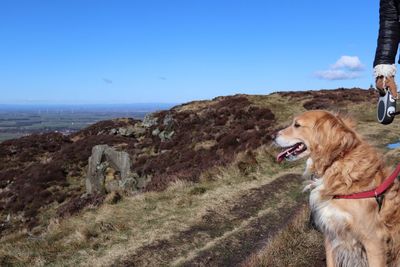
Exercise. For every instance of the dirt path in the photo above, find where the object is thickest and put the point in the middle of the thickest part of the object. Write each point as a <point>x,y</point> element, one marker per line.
<point>227,239</point>
<point>231,251</point>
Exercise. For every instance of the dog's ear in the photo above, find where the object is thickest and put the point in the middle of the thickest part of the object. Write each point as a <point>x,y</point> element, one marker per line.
<point>332,138</point>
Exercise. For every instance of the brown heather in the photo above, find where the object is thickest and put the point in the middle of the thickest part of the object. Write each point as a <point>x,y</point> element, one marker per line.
<point>215,189</point>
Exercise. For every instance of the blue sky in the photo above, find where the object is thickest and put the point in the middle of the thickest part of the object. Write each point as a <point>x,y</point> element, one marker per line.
<point>95,51</point>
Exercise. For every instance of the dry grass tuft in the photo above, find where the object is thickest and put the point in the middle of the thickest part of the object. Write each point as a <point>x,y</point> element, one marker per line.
<point>302,246</point>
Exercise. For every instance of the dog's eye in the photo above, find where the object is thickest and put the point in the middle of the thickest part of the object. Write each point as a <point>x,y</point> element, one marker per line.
<point>296,125</point>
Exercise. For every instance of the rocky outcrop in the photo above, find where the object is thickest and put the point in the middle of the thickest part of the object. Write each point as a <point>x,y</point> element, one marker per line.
<point>149,120</point>
<point>109,170</point>
<point>167,126</point>
<point>136,130</point>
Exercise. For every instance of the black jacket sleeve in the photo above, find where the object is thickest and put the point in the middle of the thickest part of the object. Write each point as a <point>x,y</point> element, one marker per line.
<point>389,32</point>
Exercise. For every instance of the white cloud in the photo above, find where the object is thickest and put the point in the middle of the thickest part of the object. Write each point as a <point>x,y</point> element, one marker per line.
<point>348,62</point>
<point>345,68</point>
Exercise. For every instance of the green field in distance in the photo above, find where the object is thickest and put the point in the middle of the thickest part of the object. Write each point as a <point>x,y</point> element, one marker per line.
<point>21,120</point>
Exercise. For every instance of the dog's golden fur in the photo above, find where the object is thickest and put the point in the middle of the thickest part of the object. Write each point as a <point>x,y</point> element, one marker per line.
<point>356,232</point>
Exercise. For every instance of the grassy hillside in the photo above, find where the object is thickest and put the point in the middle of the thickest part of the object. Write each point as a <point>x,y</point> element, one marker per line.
<point>214,196</point>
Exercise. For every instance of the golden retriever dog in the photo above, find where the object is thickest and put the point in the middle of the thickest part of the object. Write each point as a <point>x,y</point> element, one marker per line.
<point>357,231</point>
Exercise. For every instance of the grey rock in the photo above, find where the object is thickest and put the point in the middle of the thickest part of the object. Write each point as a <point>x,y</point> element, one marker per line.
<point>130,131</point>
<point>105,158</point>
<point>127,131</point>
<point>166,135</point>
<point>169,134</point>
<point>138,130</point>
<point>128,184</point>
<point>95,175</point>
<point>123,131</point>
<point>162,136</point>
<point>119,161</point>
<point>155,132</point>
<point>167,120</point>
<point>149,120</point>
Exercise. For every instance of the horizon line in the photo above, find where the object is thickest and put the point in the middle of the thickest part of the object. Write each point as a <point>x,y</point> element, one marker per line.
<point>67,103</point>
<point>89,104</point>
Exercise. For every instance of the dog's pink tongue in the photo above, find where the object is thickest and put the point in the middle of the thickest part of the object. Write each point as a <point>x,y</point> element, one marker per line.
<point>281,155</point>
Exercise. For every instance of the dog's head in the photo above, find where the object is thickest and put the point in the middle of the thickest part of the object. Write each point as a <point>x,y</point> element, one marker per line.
<point>320,134</point>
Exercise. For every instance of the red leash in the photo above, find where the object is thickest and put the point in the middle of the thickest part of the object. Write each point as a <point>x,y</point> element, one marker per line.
<point>376,192</point>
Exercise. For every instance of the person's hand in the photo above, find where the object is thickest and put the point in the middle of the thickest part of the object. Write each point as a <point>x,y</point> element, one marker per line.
<point>389,83</point>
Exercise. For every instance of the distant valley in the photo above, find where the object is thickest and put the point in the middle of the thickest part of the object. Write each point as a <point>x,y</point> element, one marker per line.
<point>22,120</point>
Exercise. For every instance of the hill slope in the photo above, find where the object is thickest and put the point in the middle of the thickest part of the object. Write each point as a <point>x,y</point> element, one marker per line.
<point>211,182</point>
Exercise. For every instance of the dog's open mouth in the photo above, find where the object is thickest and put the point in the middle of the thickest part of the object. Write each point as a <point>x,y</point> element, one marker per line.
<point>292,152</point>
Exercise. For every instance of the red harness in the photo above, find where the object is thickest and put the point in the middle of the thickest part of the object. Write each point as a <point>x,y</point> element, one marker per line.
<point>376,192</point>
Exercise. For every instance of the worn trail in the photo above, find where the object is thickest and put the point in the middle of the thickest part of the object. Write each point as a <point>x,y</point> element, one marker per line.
<point>227,239</point>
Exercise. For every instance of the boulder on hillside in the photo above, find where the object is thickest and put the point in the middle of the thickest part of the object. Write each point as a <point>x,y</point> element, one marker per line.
<point>109,170</point>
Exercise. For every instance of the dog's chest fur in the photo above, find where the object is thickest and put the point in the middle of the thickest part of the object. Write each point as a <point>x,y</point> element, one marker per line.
<point>328,218</point>
<point>333,223</point>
